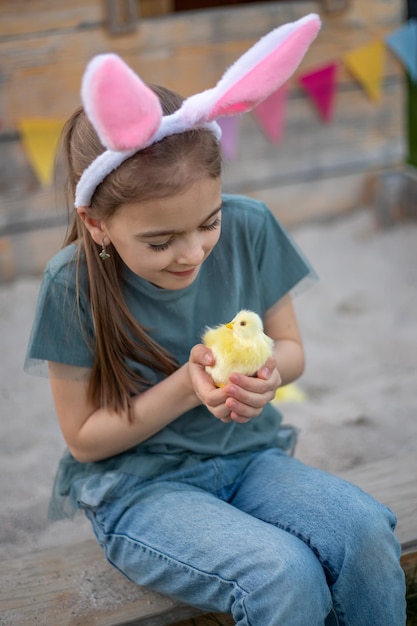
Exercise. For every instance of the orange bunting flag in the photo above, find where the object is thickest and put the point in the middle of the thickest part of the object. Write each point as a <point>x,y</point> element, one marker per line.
<point>270,114</point>
<point>320,85</point>
<point>366,65</point>
<point>40,139</point>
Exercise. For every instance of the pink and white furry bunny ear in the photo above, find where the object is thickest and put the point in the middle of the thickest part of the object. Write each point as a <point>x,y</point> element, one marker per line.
<point>127,114</point>
<point>257,73</point>
<point>123,110</point>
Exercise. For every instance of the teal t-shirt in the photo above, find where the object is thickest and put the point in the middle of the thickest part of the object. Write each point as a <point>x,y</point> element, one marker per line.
<point>253,265</point>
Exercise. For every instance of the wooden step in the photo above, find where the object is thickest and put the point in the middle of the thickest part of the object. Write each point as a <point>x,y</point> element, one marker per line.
<point>75,585</point>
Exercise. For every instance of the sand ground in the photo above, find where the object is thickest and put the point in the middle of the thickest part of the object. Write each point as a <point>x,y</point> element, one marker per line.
<point>360,329</point>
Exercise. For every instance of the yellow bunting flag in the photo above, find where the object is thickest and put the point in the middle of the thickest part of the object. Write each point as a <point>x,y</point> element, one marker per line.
<point>366,64</point>
<point>40,139</point>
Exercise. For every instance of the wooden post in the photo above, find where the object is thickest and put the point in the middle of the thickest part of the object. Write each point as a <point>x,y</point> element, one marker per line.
<point>121,16</point>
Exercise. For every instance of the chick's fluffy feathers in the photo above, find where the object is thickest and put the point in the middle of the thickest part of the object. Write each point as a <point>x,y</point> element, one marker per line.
<point>239,346</point>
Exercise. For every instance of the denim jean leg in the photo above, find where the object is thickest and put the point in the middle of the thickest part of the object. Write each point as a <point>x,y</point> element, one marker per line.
<point>351,534</point>
<point>185,542</point>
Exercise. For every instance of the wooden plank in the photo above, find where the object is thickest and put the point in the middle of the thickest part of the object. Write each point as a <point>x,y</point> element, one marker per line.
<point>20,18</point>
<point>393,482</point>
<point>409,561</point>
<point>77,587</point>
<point>209,619</point>
<point>70,586</point>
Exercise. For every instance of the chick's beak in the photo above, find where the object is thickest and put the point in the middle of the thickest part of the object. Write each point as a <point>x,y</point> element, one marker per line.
<point>229,325</point>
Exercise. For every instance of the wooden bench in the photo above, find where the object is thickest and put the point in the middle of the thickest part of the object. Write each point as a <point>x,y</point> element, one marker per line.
<point>75,585</point>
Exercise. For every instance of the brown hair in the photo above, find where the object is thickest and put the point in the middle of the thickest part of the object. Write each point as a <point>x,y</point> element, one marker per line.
<point>164,168</point>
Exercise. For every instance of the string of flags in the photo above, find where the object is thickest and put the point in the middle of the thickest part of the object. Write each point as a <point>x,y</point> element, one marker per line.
<point>365,63</point>
<point>40,136</point>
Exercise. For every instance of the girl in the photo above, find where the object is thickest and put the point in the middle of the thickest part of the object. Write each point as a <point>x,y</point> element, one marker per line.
<point>190,488</point>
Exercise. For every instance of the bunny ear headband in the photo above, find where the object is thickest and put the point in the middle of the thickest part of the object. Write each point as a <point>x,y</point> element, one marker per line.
<point>127,114</point>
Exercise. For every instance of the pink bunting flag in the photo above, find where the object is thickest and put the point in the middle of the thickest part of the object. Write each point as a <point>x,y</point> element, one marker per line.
<point>320,85</point>
<point>270,114</point>
<point>230,135</point>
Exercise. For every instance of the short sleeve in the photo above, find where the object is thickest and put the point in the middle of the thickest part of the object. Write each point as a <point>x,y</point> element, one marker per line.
<point>61,331</point>
<point>282,266</point>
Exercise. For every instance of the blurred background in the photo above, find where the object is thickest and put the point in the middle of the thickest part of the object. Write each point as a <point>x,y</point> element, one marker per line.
<point>317,148</point>
<point>333,154</point>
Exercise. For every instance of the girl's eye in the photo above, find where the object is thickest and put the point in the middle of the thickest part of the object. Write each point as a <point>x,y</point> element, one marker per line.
<point>212,226</point>
<point>159,247</point>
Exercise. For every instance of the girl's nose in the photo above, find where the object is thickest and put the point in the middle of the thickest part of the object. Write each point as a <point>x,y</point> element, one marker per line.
<point>192,251</point>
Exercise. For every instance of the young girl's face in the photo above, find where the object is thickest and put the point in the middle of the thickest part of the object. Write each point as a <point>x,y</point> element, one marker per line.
<point>166,240</point>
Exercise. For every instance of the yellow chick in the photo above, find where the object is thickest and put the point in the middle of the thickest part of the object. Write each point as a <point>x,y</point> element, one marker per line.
<point>239,346</point>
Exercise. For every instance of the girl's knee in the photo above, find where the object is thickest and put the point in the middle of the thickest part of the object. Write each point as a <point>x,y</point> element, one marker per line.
<point>288,589</point>
<point>371,523</point>
<point>366,535</point>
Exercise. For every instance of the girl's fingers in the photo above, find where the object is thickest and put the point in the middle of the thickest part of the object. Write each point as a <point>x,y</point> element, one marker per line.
<point>242,409</point>
<point>214,400</point>
<point>255,392</point>
<point>247,396</point>
<point>201,355</point>
<point>267,369</point>
<point>243,398</point>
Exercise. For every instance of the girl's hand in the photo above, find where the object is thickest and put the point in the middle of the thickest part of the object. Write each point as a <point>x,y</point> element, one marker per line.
<point>247,395</point>
<point>205,390</point>
<point>242,398</point>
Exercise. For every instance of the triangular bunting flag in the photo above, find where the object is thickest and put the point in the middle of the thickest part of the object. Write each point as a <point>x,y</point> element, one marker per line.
<point>270,114</point>
<point>320,85</point>
<point>230,135</point>
<point>403,42</point>
<point>366,64</point>
<point>40,139</point>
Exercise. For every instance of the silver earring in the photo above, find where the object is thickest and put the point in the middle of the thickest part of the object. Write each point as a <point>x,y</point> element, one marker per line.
<point>104,255</point>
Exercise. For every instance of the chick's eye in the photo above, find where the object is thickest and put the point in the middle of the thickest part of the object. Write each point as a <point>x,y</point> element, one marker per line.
<point>243,323</point>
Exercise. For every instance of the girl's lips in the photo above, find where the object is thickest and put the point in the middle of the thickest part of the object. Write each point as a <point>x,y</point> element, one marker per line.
<point>185,273</point>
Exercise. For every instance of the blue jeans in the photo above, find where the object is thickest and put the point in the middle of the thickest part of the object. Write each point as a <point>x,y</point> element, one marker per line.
<point>261,536</point>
